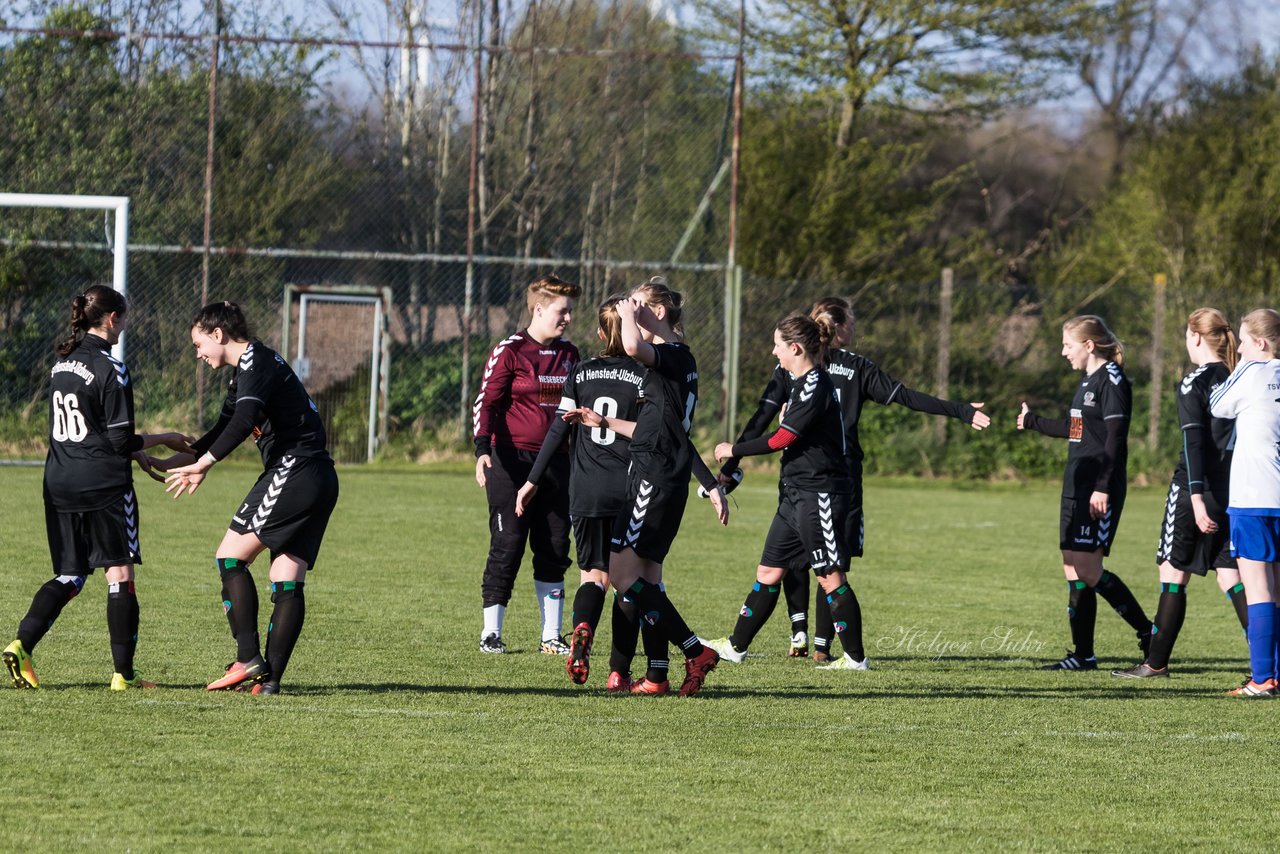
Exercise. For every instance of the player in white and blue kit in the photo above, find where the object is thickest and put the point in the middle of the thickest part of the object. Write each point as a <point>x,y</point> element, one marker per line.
<point>1251,395</point>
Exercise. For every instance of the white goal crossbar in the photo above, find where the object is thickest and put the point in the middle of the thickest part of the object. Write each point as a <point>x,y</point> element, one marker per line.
<point>119,245</point>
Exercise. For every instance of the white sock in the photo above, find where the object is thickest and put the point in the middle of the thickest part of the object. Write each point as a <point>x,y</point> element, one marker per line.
<point>493,615</point>
<point>551,603</point>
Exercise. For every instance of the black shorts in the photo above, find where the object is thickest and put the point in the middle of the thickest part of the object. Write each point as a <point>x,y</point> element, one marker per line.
<point>808,526</point>
<point>854,532</point>
<point>649,522</point>
<point>288,508</point>
<point>1183,544</point>
<point>591,535</point>
<point>82,541</point>
<point>1078,531</point>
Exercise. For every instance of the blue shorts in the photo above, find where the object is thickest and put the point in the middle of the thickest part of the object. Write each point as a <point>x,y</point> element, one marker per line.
<point>1255,537</point>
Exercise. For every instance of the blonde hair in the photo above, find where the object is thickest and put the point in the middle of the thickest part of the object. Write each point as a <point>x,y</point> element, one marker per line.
<point>1264,323</point>
<point>1090,327</point>
<point>611,325</point>
<point>1211,325</point>
<point>547,288</point>
<point>657,292</point>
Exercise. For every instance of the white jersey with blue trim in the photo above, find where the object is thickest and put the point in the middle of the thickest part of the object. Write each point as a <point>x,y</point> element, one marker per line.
<point>1251,395</point>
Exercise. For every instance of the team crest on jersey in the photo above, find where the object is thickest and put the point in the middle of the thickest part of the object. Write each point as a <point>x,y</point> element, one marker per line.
<point>1088,399</point>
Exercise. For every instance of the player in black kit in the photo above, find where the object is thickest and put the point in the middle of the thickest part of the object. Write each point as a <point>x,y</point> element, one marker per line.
<point>815,486</point>
<point>288,508</point>
<point>857,380</point>
<point>91,512</point>
<point>662,459</point>
<point>1195,534</point>
<point>601,397</point>
<point>1094,484</point>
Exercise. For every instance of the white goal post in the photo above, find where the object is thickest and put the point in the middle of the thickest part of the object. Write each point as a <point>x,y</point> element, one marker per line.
<point>119,245</point>
<point>379,352</point>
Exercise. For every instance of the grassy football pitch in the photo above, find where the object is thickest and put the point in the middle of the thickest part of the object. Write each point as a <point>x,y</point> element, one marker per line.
<point>397,733</point>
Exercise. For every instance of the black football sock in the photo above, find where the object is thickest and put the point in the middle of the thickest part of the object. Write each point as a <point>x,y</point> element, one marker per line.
<point>1082,614</point>
<point>1170,614</point>
<point>823,626</point>
<point>1121,600</point>
<point>240,601</point>
<point>795,586</point>
<point>659,611</point>
<point>1238,601</point>
<point>286,624</point>
<point>655,650</point>
<point>846,614</point>
<point>755,612</point>
<point>122,625</point>
<point>626,630</point>
<point>588,605</point>
<point>46,605</point>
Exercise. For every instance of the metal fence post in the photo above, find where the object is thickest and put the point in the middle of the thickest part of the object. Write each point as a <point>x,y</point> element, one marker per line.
<point>942,374</point>
<point>1157,354</point>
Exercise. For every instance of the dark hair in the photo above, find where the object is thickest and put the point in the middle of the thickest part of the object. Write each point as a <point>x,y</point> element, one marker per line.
<point>88,310</point>
<point>811,335</point>
<point>657,292</point>
<point>611,325</point>
<point>226,316</point>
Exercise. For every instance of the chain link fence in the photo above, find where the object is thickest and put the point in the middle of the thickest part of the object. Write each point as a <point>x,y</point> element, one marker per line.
<point>446,166</point>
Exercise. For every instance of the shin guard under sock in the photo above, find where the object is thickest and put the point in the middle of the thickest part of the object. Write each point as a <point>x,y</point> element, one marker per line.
<point>1082,614</point>
<point>760,603</point>
<point>846,614</point>
<point>1121,599</point>
<point>240,601</point>
<point>626,631</point>
<point>588,605</point>
<point>122,625</point>
<point>286,624</point>
<point>1170,614</point>
<point>823,625</point>
<point>46,605</point>
<point>795,587</point>
<point>658,611</point>
<point>1241,606</point>
<point>1262,641</point>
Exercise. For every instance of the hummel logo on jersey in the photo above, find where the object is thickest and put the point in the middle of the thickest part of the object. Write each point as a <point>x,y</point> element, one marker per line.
<point>1189,379</point>
<point>246,359</point>
<point>810,384</point>
<point>122,373</point>
<point>1114,371</point>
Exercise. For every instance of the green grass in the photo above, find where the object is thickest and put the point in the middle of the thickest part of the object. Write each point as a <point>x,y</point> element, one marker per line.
<point>396,733</point>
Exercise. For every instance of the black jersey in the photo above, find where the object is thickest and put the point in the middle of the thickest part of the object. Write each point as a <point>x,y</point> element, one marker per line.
<point>660,446</point>
<point>815,461</point>
<point>266,398</point>
<point>1103,396</point>
<point>857,379</point>
<point>610,386</point>
<point>91,430</point>
<point>1205,462</point>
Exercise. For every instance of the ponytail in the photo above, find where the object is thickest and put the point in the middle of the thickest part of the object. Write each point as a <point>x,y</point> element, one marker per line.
<point>88,311</point>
